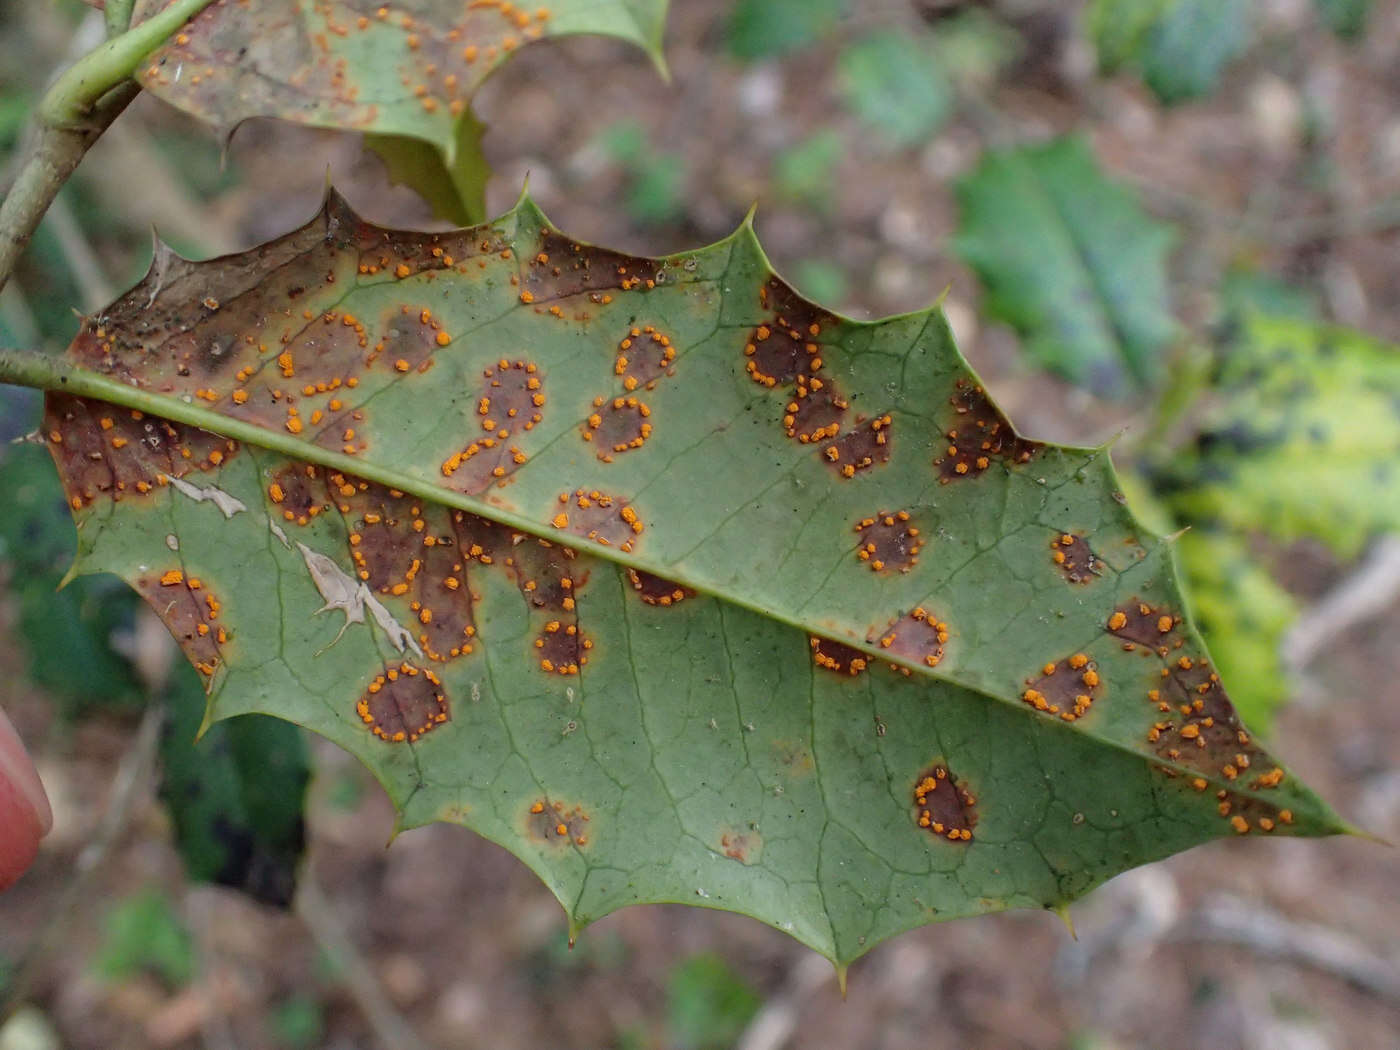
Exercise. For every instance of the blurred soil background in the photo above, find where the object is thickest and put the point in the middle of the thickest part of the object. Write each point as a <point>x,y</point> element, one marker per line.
<point>1289,169</point>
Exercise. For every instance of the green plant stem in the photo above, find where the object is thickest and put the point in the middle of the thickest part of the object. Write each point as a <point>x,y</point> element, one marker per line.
<point>117,16</point>
<point>81,104</point>
<point>104,67</point>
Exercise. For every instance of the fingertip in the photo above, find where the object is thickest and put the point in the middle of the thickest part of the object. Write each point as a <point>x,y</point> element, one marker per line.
<point>20,832</point>
<point>17,770</point>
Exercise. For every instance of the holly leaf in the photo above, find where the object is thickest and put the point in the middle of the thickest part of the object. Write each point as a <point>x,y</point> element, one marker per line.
<point>397,72</point>
<point>1301,439</point>
<point>677,585</point>
<point>1070,260</point>
<point>1178,46</point>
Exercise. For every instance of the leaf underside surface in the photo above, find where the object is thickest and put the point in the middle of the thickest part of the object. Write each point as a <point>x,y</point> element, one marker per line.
<point>668,580</point>
<point>408,68</point>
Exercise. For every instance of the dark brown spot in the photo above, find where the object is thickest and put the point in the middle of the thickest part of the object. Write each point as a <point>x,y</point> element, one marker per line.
<point>562,647</point>
<point>656,591</point>
<point>643,356</point>
<point>403,703</point>
<point>919,636</point>
<point>1071,554</point>
<point>509,400</point>
<point>1139,623</point>
<point>561,268</point>
<point>617,425</point>
<point>192,612</point>
<point>943,806</point>
<point>815,411</point>
<point>598,517</point>
<point>889,541</point>
<point>1066,688</point>
<point>978,435</point>
<point>557,823</point>
<point>838,657</point>
<point>546,573</point>
<point>789,343</point>
<point>866,446</point>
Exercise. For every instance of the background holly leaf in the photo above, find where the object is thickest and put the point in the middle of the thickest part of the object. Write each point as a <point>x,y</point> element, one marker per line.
<point>1299,440</point>
<point>1070,260</point>
<point>401,74</point>
<point>677,585</point>
<point>235,795</point>
<point>1178,46</point>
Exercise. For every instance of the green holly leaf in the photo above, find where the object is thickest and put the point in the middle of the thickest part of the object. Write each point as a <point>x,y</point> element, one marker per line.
<point>677,585</point>
<point>1070,260</point>
<point>1346,18</point>
<point>399,74</point>
<point>1178,46</point>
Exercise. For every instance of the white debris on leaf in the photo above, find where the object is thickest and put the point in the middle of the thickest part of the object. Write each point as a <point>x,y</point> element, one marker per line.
<point>277,531</point>
<point>230,505</point>
<point>340,591</point>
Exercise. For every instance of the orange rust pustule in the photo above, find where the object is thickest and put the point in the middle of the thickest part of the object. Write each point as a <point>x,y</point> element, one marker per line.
<point>919,636</point>
<point>546,573</point>
<point>654,590</point>
<point>1246,813</point>
<point>509,401</point>
<point>562,647</point>
<point>599,517</point>
<point>644,356</point>
<point>105,451</point>
<point>815,411</point>
<point>192,612</point>
<point>560,268</point>
<point>744,846</point>
<point>978,435</point>
<point>889,541</point>
<point>617,425</point>
<point>778,350</point>
<point>406,342</point>
<point>1070,553</point>
<point>403,703</point>
<point>1065,689</point>
<point>868,445</point>
<point>1141,624</point>
<point>556,823</point>
<point>943,806</point>
<point>838,657</point>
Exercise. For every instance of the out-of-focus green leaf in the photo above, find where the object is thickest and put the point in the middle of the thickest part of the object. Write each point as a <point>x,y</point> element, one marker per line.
<point>1245,292</point>
<point>1303,439</point>
<point>708,1004</point>
<point>1346,18</point>
<point>1244,615</point>
<point>236,796</point>
<point>142,934</point>
<point>1070,260</point>
<point>456,191</point>
<point>655,180</point>
<point>1178,46</point>
<point>68,634</point>
<point>806,172</point>
<point>973,46</point>
<point>893,81</point>
<point>760,29</point>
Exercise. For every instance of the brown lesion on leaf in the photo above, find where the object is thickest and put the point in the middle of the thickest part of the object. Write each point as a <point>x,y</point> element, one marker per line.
<point>561,268</point>
<point>644,356</point>
<point>103,451</point>
<point>599,517</point>
<point>402,703</point>
<point>617,425</point>
<point>509,401</point>
<point>1246,813</point>
<point>1071,554</point>
<point>191,611</point>
<point>944,806</point>
<point>546,573</point>
<point>742,844</point>
<point>868,445</point>
<point>1194,725</point>
<point>889,541</point>
<point>654,590</point>
<point>788,344</point>
<point>408,338</point>
<point>1066,688</point>
<point>978,436</point>
<point>562,647</point>
<point>838,657</point>
<point>297,492</point>
<point>919,636</point>
<point>815,411</point>
<point>557,823</point>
